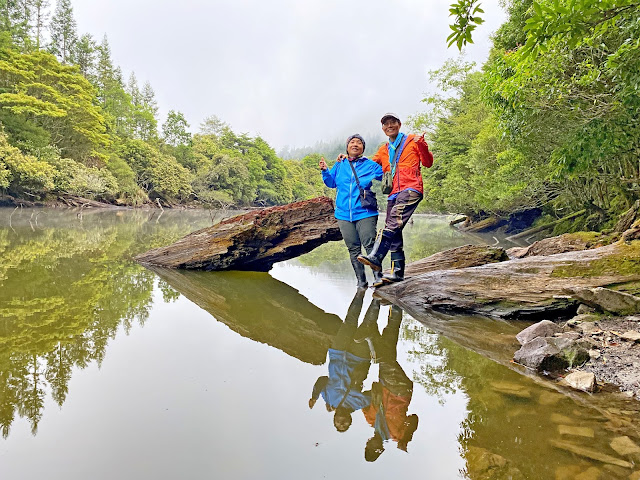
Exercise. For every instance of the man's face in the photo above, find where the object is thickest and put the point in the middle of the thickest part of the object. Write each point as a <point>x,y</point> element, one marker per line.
<point>355,147</point>
<point>391,126</point>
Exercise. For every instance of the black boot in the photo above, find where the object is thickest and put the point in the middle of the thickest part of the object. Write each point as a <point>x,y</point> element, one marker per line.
<point>377,278</point>
<point>358,268</point>
<point>377,253</point>
<point>397,268</point>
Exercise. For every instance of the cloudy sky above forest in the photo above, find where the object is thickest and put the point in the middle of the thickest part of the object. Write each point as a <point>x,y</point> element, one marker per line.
<point>293,71</point>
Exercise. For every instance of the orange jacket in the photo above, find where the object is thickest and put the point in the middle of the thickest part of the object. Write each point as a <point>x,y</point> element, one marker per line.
<point>415,153</point>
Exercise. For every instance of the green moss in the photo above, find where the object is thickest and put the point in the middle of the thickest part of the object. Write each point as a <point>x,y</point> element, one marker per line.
<point>625,262</point>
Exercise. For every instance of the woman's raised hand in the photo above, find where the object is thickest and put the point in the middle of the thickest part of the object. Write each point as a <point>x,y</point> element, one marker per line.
<point>341,157</point>
<point>322,164</point>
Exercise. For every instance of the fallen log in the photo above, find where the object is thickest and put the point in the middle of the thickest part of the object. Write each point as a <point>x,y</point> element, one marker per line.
<point>546,226</point>
<point>253,241</point>
<point>530,288</point>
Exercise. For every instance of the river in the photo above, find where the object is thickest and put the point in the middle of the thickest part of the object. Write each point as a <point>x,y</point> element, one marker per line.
<point>111,370</point>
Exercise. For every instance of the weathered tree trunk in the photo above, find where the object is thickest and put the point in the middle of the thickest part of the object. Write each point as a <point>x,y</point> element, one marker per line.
<point>253,241</point>
<point>527,288</point>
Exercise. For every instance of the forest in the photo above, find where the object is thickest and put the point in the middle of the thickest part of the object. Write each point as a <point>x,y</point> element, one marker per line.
<point>548,124</point>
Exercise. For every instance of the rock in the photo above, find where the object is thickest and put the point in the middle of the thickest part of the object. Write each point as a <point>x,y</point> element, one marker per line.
<point>594,354</point>
<point>576,431</point>
<point>550,354</point>
<point>253,241</point>
<point>585,309</point>
<point>628,218</point>
<point>455,258</point>
<point>511,389</point>
<point>482,464</point>
<point>589,453</point>
<point>568,335</point>
<point>585,381</point>
<point>557,418</point>
<point>567,472</point>
<point>592,473</point>
<point>631,335</point>
<point>624,446</point>
<point>633,318</point>
<point>635,475</point>
<point>606,299</point>
<point>587,317</point>
<point>550,398</point>
<point>633,233</point>
<point>588,328</point>
<point>545,328</point>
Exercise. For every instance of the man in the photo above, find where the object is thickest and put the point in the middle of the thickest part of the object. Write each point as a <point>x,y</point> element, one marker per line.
<point>402,156</point>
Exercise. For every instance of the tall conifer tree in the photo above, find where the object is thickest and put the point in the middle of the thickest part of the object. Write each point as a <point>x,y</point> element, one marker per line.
<point>63,31</point>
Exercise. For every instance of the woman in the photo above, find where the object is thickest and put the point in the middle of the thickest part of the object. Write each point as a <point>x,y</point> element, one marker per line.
<point>351,175</point>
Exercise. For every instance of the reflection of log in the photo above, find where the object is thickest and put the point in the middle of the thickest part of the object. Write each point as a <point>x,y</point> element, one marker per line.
<point>253,241</point>
<point>261,308</point>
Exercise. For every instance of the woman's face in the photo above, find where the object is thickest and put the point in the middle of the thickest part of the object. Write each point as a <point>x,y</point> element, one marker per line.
<point>355,147</point>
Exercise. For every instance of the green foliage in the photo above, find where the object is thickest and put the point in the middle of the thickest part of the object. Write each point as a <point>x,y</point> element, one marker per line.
<point>57,99</point>
<point>175,129</point>
<point>24,173</point>
<point>466,20</point>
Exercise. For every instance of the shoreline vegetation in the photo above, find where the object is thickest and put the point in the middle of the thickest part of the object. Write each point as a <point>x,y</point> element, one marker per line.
<point>537,134</point>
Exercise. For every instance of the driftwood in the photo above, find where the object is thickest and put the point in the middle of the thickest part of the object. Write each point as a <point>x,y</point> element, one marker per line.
<point>628,218</point>
<point>276,314</point>
<point>460,257</point>
<point>527,288</point>
<point>544,227</point>
<point>253,241</point>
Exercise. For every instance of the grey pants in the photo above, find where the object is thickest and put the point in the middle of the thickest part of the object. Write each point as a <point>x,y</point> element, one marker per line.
<point>358,234</point>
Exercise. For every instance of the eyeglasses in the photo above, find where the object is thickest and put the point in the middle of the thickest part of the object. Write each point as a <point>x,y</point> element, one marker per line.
<point>388,123</point>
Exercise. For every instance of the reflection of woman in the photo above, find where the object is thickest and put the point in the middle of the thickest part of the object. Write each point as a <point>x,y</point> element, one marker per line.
<point>349,364</point>
<point>390,397</point>
<point>357,224</point>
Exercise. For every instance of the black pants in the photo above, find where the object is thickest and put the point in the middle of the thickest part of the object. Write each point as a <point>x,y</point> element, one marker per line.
<point>399,210</point>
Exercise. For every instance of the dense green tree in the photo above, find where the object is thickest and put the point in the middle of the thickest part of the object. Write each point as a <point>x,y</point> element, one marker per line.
<point>175,130</point>
<point>83,54</point>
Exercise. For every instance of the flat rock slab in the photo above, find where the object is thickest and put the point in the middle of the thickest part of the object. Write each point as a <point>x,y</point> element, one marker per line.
<point>585,381</point>
<point>606,299</point>
<point>253,241</point>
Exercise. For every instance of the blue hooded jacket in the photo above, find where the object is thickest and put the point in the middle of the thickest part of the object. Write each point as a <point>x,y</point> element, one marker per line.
<point>341,176</point>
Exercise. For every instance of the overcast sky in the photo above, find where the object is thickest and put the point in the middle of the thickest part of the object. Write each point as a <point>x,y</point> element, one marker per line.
<point>294,72</point>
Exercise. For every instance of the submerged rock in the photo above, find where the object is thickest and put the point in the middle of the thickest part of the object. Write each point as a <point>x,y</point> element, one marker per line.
<point>589,453</point>
<point>625,446</point>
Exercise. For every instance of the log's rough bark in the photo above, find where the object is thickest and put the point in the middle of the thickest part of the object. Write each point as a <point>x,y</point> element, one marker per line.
<point>460,257</point>
<point>253,241</point>
<point>527,288</point>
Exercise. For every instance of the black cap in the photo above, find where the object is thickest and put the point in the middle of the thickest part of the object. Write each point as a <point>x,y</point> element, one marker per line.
<point>359,137</point>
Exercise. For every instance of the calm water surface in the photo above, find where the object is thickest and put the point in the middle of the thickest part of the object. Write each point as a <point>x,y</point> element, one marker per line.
<point>110,370</point>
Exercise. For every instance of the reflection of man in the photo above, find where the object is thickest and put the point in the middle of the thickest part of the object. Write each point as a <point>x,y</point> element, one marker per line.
<point>349,364</point>
<point>390,397</point>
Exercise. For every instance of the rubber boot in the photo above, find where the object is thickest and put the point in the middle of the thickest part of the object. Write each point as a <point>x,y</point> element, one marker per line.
<point>397,268</point>
<point>377,278</point>
<point>358,268</point>
<point>377,253</point>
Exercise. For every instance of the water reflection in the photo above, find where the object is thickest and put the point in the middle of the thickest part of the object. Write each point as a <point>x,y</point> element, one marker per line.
<point>68,289</point>
<point>391,394</point>
<point>349,364</point>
